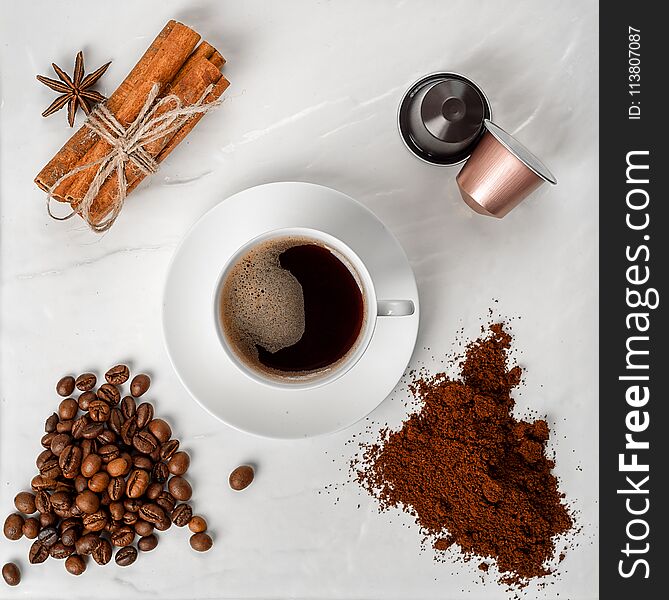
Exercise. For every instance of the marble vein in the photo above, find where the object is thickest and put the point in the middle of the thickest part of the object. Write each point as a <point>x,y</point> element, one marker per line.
<point>90,261</point>
<point>346,126</point>
<point>185,180</point>
<point>256,134</point>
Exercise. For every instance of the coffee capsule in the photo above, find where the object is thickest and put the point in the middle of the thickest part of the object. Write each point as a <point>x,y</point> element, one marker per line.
<point>441,118</point>
<point>500,174</point>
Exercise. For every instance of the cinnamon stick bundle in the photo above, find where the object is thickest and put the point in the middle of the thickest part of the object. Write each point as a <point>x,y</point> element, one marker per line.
<point>181,68</point>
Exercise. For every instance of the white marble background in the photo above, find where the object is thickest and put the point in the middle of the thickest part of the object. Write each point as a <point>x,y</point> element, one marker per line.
<point>315,88</point>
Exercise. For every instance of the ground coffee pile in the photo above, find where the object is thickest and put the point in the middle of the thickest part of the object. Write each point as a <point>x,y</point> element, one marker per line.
<point>471,473</point>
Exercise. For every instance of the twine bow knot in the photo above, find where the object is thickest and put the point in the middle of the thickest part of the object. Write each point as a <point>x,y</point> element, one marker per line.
<point>128,144</point>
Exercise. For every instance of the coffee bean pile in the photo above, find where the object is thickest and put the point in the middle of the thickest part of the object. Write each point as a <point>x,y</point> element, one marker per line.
<point>110,473</point>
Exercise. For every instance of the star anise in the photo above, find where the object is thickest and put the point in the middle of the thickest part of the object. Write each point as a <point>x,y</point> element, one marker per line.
<point>75,91</point>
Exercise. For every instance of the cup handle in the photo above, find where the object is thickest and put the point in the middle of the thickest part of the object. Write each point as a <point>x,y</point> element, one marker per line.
<point>395,308</point>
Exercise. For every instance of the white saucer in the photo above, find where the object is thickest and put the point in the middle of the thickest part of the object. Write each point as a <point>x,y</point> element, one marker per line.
<point>194,346</point>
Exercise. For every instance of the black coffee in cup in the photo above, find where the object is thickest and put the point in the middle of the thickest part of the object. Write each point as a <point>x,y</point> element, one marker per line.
<point>291,307</point>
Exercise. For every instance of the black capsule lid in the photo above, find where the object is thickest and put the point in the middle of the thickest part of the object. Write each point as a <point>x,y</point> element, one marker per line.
<point>446,127</point>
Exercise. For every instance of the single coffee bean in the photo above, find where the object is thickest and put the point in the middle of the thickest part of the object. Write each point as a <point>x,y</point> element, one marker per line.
<point>48,536</point>
<point>126,556</point>
<point>138,481</point>
<point>123,536</point>
<point>64,426</point>
<point>31,528</point>
<point>182,514</point>
<point>86,382</point>
<point>241,477</point>
<point>139,385</point>
<point>47,520</point>
<point>143,528</point>
<point>68,408</point>
<point>109,393</point>
<point>87,502</point>
<point>65,386</point>
<point>50,423</point>
<point>95,521</point>
<point>75,564</point>
<point>147,543</point>
<point>164,524</point>
<point>116,488</point>
<point>69,536</point>
<point>116,510</point>
<point>108,453</point>
<point>117,375</point>
<point>116,420</point>
<point>87,543</point>
<point>25,503</point>
<point>128,430</point>
<point>201,542</point>
<point>103,553</point>
<point>132,504</point>
<point>39,482</point>
<point>99,411</point>
<point>91,465</point>
<point>154,490</point>
<point>38,553</point>
<point>152,513</point>
<point>43,501</point>
<point>130,518</point>
<point>145,442</point>
<point>144,414</point>
<point>47,438</point>
<point>42,457</point>
<point>161,430</point>
<point>80,484</point>
<point>60,551</point>
<point>197,524</point>
<point>141,461</point>
<point>128,407</point>
<point>168,449</point>
<point>118,467</point>
<point>13,528</point>
<point>70,461</point>
<point>99,482</point>
<point>79,426</point>
<point>179,463</point>
<point>106,436</point>
<point>89,447</point>
<point>166,501</point>
<point>11,574</point>
<point>160,472</point>
<point>61,503</point>
<point>50,468</point>
<point>180,488</point>
<point>59,442</point>
<point>92,430</point>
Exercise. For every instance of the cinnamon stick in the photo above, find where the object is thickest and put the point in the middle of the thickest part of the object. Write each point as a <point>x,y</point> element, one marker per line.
<point>197,75</point>
<point>162,68</point>
<point>83,140</point>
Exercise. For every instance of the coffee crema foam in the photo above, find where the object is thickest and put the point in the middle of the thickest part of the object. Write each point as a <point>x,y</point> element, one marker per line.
<point>262,304</point>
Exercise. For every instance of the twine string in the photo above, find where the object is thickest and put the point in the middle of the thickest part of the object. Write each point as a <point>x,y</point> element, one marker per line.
<point>156,119</point>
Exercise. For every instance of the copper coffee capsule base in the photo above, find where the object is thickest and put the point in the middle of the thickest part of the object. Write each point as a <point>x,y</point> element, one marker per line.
<point>500,174</point>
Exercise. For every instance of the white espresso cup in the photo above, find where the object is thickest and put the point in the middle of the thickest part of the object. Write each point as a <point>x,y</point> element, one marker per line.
<point>373,309</point>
